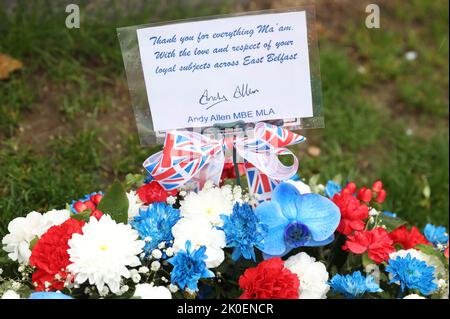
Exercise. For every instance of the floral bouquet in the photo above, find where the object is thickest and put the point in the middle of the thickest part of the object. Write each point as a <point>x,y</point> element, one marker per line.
<point>308,242</point>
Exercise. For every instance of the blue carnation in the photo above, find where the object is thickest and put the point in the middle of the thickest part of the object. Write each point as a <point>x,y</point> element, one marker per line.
<point>154,224</point>
<point>332,188</point>
<point>296,220</point>
<point>48,295</point>
<point>412,273</point>
<point>436,234</point>
<point>354,285</point>
<point>189,267</point>
<point>243,231</point>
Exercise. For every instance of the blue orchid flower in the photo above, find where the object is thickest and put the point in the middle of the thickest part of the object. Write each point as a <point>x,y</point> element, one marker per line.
<point>296,220</point>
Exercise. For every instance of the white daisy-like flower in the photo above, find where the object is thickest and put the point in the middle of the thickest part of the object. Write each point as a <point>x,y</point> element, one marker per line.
<point>413,296</point>
<point>374,212</point>
<point>171,200</point>
<point>103,251</point>
<point>147,291</point>
<point>156,253</point>
<point>10,294</point>
<point>312,274</point>
<point>155,265</point>
<point>301,187</point>
<point>208,204</point>
<point>22,230</point>
<point>170,251</point>
<point>200,232</point>
<point>430,260</point>
<point>134,204</point>
<point>143,270</point>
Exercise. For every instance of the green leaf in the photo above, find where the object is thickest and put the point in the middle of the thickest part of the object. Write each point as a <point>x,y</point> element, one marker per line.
<point>314,180</point>
<point>426,191</point>
<point>33,242</point>
<point>366,260</point>
<point>337,179</point>
<point>84,215</point>
<point>134,179</point>
<point>384,277</point>
<point>391,223</point>
<point>115,203</point>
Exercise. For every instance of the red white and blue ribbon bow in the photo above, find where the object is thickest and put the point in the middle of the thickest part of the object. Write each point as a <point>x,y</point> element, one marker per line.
<point>193,157</point>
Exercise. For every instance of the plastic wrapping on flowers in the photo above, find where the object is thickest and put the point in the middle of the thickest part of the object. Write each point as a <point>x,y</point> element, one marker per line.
<point>310,241</point>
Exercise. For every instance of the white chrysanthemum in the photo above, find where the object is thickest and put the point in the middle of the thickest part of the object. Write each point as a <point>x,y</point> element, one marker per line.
<point>430,260</point>
<point>312,274</point>
<point>22,230</point>
<point>10,294</point>
<point>56,217</point>
<point>414,296</point>
<point>147,291</point>
<point>301,187</point>
<point>200,233</point>
<point>103,251</point>
<point>208,204</point>
<point>134,204</point>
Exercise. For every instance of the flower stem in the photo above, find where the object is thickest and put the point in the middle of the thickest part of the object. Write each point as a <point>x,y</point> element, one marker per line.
<point>236,168</point>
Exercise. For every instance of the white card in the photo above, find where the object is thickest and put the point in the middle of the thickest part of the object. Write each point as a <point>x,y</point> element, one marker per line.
<point>248,68</point>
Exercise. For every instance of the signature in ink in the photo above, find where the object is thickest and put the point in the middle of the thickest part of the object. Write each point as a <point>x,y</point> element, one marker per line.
<point>211,100</point>
<point>241,91</point>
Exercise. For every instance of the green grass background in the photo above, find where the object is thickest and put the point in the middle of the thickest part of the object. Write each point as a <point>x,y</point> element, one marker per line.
<point>66,123</point>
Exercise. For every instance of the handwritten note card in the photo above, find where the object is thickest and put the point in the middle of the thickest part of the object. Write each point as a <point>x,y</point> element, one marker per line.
<point>247,68</point>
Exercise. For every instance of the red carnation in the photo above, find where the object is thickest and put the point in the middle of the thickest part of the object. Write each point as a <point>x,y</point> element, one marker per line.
<point>50,255</point>
<point>446,251</point>
<point>376,242</point>
<point>353,213</point>
<point>408,239</point>
<point>269,280</point>
<point>44,281</point>
<point>153,192</point>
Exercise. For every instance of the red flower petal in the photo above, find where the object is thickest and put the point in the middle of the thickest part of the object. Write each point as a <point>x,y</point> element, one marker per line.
<point>269,280</point>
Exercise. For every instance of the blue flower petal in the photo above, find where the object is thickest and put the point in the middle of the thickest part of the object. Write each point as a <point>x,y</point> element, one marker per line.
<point>274,243</point>
<point>48,295</point>
<point>320,215</point>
<point>436,234</point>
<point>270,214</point>
<point>332,189</point>
<point>314,243</point>
<point>289,199</point>
<point>268,256</point>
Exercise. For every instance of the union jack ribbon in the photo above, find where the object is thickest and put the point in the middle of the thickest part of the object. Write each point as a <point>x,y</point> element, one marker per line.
<point>190,156</point>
